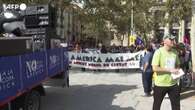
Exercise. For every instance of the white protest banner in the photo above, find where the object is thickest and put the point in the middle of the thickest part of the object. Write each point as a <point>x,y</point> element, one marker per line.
<point>106,61</point>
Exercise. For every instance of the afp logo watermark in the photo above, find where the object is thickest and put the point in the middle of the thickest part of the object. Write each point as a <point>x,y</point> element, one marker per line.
<point>20,7</point>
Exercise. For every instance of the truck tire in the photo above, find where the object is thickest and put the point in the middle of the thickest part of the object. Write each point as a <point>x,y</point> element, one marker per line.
<point>32,101</point>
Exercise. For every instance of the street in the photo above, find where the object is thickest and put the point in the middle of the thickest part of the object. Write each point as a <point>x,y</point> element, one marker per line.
<point>106,90</point>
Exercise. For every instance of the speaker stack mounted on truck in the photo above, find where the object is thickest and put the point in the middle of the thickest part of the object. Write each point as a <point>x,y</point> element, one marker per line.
<point>40,21</point>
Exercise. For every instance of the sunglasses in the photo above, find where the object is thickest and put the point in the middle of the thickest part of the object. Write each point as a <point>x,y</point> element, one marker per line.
<point>171,39</point>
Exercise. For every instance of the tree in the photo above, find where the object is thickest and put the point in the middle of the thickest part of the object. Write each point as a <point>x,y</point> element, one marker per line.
<point>143,18</point>
<point>95,14</point>
<point>178,9</point>
<point>119,16</point>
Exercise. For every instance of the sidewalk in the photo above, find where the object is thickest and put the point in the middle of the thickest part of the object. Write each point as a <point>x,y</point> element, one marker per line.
<point>107,91</point>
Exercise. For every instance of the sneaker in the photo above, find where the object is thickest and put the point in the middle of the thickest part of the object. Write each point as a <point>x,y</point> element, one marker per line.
<point>147,95</point>
<point>166,96</point>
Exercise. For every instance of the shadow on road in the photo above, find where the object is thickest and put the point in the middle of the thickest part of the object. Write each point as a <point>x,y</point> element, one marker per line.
<point>85,97</point>
<point>120,71</point>
<point>188,92</point>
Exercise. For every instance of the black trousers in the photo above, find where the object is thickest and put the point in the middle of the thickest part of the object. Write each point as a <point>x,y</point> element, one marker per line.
<point>174,95</point>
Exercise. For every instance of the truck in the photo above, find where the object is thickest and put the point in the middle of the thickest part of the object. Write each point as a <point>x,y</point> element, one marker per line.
<point>29,56</point>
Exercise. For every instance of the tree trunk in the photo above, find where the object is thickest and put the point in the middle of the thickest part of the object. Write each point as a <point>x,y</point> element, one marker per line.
<point>167,29</point>
<point>181,30</point>
<point>122,39</point>
<point>167,25</point>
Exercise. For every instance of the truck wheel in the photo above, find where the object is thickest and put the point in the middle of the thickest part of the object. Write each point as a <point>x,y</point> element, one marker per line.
<point>32,101</point>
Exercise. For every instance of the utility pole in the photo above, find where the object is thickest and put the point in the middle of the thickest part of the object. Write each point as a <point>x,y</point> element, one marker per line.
<point>192,36</point>
<point>130,38</point>
<point>132,26</point>
<point>167,25</point>
<point>181,30</point>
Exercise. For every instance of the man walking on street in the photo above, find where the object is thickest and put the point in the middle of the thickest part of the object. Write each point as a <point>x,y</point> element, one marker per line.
<point>166,62</point>
<point>147,70</point>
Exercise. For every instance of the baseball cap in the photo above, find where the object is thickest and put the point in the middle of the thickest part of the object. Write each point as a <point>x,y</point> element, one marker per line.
<point>169,36</point>
<point>181,45</point>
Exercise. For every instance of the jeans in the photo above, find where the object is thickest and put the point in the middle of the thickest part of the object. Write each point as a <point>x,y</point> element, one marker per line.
<point>147,81</point>
<point>174,95</point>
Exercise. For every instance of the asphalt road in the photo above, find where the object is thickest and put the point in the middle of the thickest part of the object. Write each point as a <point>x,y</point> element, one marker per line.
<point>105,90</point>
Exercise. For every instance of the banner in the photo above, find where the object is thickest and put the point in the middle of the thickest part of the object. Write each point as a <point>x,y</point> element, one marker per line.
<point>106,61</point>
<point>65,59</point>
<point>54,61</point>
<point>22,72</point>
<point>33,69</point>
<point>9,77</point>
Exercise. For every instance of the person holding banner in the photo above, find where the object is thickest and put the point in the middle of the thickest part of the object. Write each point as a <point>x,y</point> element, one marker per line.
<point>77,48</point>
<point>166,62</point>
<point>147,70</point>
<point>103,49</point>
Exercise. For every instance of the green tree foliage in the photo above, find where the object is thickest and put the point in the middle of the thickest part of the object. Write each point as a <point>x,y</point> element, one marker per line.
<point>95,14</point>
<point>118,13</point>
<point>178,9</point>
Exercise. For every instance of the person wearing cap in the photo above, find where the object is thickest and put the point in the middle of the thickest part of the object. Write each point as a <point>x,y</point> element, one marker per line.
<point>164,63</point>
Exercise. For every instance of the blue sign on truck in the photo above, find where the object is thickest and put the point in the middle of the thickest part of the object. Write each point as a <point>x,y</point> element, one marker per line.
<point>9,77</point>
<point>33,68</point>
<point>21,73</point>
<point>54,61</point>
